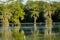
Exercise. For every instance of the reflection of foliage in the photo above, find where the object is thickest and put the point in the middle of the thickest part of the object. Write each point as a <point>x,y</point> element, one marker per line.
<point>18,35</point>
<point>0,34</point>
<point>57,38</point>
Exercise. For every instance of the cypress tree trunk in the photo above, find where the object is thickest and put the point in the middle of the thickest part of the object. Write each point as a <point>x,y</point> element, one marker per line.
<point>6,31</point>
<point>6,34</point>
<point>48,26</point>
<point>35,28</point>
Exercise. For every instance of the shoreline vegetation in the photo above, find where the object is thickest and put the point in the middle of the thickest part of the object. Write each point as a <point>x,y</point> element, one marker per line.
<point>36,20</point>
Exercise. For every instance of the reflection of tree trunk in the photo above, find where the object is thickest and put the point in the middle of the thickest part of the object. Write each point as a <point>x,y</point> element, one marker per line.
<point>35,28</point>
<point>48,28</point>
<point>6,32</point>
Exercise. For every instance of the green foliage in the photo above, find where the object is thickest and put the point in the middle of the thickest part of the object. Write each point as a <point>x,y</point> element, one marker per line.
<point>33,8</point>
<point>17,12</point>
<point>47,6</point>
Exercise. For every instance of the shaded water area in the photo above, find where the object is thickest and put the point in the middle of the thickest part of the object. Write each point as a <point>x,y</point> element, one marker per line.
<point>28,29</point>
